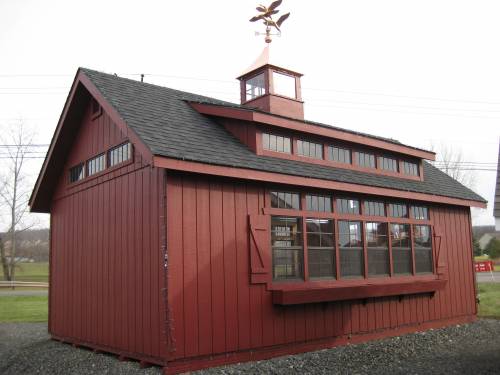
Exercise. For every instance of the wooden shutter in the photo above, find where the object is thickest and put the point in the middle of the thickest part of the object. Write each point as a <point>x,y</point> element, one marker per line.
<point>260,249</point>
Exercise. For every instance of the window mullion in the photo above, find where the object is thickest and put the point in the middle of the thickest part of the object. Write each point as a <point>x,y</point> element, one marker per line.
<point>389,242</point>
<point>412,243</point>
<point>305,247</point>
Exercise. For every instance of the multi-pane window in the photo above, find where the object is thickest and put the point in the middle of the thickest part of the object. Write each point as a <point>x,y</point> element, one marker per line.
<point>320,247</point>
<point>310,149</point>
<point>276,143</point>
<point>351,248</point>
<point>339,154</point>
<point>281,199</point>
<point>419,212</point>
<point>388,164</point>
<point>96,164</point>
<point>378,249</point>
<point>255,87</point>
<point>77,173</point>
<point>401,249</point>
<point>321,203</point>
<point>410,168</point>
<point>374,208</point>
<point>119,154</point>
<point>365,159</point>
<point>398,210</point>
<point>423,248</point>
<point>347,206</point>
<point>368,246</point>
<point>287,248</point>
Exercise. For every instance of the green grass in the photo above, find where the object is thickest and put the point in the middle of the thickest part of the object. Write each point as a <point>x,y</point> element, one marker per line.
<point>481,257</point>
<point>23,308</point>
<point>489,294</point>
<point>38,272</point>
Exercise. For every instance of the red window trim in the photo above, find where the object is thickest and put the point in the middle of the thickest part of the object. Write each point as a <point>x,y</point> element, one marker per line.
<point>339,280</point>
<point>107,169</point>
<point>325,161</point>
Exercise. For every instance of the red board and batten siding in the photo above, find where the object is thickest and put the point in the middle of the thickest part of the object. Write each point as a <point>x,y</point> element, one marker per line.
<point>214,308</point>
<point>107,262</point>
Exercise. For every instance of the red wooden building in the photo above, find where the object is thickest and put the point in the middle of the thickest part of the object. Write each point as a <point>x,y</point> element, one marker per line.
<point>191,232</point>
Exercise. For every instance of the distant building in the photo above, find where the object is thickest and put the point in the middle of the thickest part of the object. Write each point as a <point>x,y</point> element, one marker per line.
<point>496,209</point>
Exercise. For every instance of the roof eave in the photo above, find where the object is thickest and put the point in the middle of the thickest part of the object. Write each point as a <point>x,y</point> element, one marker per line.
<point>263,176</point>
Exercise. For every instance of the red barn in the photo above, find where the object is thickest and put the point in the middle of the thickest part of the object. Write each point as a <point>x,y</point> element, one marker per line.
<point>190,232</point>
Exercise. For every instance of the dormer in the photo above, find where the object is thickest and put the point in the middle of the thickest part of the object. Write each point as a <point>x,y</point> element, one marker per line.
<point>271,88</point>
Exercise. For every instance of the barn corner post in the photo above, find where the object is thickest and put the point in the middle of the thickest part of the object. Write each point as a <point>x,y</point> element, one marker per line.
<point>169,342</point>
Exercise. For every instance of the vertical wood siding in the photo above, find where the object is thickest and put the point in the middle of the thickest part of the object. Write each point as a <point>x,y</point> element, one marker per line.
<point>107,267</point>
<point>214,308</point>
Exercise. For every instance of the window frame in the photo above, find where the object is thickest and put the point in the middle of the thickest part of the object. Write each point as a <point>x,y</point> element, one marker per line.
<point>83,172</point>
<point>363,218</point>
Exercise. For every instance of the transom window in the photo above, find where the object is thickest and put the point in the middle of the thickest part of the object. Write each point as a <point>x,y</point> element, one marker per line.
<point>374,208</point>
<point>77,173</point>
<point>255,87</point>
<point>339,154</point>
<point>388,164</point>
<point>281,199</point>
<point>119,154</point>
<point>276,143</point>
<point>96,165</point>
<point>398,210</point>
<point>321,248</point>
<point>419,212</point>
<point>321,203</point>
<point>365,159</point>
<point>347,206</point>
<point>310,149</point>
<point>410,168</point>
<point>286,242</point>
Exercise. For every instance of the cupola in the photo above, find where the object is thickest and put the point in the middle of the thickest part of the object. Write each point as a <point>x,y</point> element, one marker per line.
<point>272,88</point>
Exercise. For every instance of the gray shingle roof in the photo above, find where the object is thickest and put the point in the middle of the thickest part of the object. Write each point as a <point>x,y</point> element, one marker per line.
<point>170,127</point>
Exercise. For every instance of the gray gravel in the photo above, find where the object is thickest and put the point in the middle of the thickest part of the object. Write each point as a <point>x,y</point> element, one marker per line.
<point>466,349</point>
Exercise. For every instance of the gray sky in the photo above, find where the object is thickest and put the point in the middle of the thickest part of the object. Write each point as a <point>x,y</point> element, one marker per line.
<point>421,72</point>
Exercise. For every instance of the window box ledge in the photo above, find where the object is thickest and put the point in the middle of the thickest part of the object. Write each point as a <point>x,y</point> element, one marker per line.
<point>293,294</point>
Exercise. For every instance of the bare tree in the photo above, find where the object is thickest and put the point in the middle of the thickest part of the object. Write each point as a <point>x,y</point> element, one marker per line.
<point>14,191</point>
<point>451,161</point>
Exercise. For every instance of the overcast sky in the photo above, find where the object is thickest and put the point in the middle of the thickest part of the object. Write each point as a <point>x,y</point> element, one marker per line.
<point>421,72</point>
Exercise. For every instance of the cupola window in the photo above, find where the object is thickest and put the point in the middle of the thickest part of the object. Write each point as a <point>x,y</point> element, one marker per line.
<point>284,84</point>
<point>255,87</point>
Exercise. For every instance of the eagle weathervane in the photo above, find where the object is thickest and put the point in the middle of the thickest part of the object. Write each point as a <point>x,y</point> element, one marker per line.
<point>266,15</point>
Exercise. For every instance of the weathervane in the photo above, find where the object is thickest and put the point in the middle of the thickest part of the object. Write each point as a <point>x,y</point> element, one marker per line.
<point>266,15</point>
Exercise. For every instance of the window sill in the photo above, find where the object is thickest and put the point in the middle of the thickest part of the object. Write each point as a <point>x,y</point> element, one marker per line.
<point>321,291</point>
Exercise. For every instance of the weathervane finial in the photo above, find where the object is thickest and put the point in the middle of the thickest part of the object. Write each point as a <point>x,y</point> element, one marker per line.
<point>266,15</point>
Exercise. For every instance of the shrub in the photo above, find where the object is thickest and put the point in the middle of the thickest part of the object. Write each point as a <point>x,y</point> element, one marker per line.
<point>493,248</point>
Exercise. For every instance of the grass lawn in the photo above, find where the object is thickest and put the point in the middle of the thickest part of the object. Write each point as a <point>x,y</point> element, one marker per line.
<point>489,294</point>
<point>23,308</point>
<point>31,272</point>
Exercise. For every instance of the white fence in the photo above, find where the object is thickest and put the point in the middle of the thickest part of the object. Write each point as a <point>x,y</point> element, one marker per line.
<point>23,284</point>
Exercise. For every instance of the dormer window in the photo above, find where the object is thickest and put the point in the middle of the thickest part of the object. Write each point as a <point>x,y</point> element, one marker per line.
<point>255,87</point>
<point>284,84</point>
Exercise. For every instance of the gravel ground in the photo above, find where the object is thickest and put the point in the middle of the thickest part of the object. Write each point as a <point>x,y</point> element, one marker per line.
<point>466,349</point>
